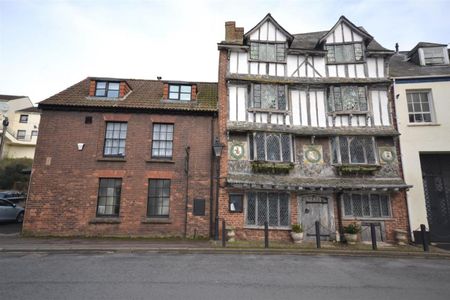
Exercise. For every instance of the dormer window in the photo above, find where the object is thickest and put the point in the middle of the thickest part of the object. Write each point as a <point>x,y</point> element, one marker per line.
<point>345,53</point>
<point>107,89</point>
<point>434,56</point>
<point>180,92</point>
<point>271,52</point>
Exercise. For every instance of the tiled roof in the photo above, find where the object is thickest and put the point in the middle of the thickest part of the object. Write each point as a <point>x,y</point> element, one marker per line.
<point>33,109</point>
<point>401,67</point>
<point>309,41</point>
<point>146,94</point>
<point>10,97</point>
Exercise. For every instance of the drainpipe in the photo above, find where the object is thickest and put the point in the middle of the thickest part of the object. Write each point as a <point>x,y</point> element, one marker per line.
<point>211,188</point>
<point>186,172</point>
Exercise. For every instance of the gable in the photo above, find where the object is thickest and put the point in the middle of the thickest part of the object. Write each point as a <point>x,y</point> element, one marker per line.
<point>268,30</point>
<point>345,31</point>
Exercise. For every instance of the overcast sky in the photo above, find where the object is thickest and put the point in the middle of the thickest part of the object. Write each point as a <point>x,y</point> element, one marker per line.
<point>48,45</point>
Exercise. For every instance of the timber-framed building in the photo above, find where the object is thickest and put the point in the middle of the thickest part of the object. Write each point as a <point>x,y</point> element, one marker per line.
<point>309,131</point>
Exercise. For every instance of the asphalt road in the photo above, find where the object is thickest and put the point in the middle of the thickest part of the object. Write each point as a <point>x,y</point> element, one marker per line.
<point>200,276</point>
<point>10,227</point>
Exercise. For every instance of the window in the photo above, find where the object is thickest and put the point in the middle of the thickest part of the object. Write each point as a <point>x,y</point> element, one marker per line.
<point>353,150</point>
<point>419,106</point>
<point>236,203</point>
<point>347,98</point>
<point>267,207</point>
<point>269,96</point>
<point>107,89</point>
<point>158,197</point>
<point>109,197</point>
<point>199,207</point>
<point>344,53</point>
<point>180,92</point>
<point>434,56</point>
<point>268,52</point>
<point>34,133</point>
<point>162,143</point>
<point>23,119</point>
<point>21,134</point>
<point>270,147</point>
<point>366,205</point>
<point>116,134</point>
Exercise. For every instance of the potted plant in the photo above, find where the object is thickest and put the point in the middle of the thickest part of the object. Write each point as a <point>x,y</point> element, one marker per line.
<point>297,233</point>
<point>351,233</point>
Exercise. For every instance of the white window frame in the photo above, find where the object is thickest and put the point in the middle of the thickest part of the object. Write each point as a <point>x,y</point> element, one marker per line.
<point>430,104</point>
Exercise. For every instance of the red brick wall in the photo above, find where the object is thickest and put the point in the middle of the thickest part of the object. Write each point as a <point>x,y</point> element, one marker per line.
<point>64,185</point>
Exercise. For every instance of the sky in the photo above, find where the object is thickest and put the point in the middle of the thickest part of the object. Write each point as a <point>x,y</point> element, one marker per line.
<point>48,45</point>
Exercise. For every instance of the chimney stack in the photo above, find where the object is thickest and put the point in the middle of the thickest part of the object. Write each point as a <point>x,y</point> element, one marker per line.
<point>234,34</point>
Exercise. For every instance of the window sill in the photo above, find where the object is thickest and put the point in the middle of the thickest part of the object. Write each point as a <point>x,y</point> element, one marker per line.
<point>114,159</point>
<point>423,124</point>
<point>367,219</point>
<point>163,161</point>
<point>346,63</point>
<point>348,112</point>
<point>270,228</point>
<point>267,61</point>
<point>157,221</point>
<point>105,220</point>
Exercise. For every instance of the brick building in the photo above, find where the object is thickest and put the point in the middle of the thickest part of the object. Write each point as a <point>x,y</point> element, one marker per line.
<point>309,132</point>
<point>124,157</point>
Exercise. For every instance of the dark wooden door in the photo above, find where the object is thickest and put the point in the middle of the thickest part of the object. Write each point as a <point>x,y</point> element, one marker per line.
<point>436,182</point>
<point>315,208</point>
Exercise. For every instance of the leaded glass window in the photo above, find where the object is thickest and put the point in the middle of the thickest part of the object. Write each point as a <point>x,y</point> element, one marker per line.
<point>268,207</point>
<point>345,53</point>
<point>353,150</point>
<point>366,205</point>
<point>268,52</point>
<point>271,146</point>
<point>347,98</point>
<point>269,96</point>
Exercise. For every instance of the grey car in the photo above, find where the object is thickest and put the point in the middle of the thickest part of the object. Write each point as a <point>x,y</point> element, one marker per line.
<point>10,211</point>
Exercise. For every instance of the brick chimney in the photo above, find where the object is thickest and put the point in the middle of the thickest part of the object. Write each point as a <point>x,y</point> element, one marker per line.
<point>233,34</point>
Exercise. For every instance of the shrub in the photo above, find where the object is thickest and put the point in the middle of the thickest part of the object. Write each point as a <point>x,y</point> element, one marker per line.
<point>12,175</point>
<point>297,228</point>
<point>352,228</point>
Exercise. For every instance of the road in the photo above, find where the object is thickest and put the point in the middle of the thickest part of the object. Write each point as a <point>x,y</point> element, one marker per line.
<point>201,276</point>
<point>10,228</point>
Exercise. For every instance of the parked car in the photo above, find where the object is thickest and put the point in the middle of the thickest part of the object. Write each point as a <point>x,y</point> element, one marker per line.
<point>10,211</point>
<point>13,196</point>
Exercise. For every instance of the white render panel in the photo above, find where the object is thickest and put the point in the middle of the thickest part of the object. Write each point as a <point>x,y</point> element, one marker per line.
<point>351,70</point>
<point>332,71</point>
<point>287,120</point>
<point>376,107</point>
<point>337,121</point>
<point>302,69</point>
<point>280,36</point>
<point>262,69</point>
<point>232,103</point>
<point>263,31</point>
<point>254,68</point>
<point>330,39</point>
<point>263,118</point>
<point>292,65</point>
<point>255,35</point>
<point>274,118</point>
<point>344,120</point>
<point>341,70</point>
<point>360,71</point>
<point>354,120</point>
<point>233,62</point>
<point>280,70</point>
<point>380,63</point>
<point>372,67</point>
<point>271,34</point>
<point>347,33</point>
<point>295,99</point>
<point>338,34</point>
<point>362,121</point>
<point>303,108</point>
<point>243,63</point>
<point>241,103</point>
<point>384,108</point>
<point>258,117</point>
<point>319,65</point>
<point>357,37</point>
<point>313,108</point>
<point>250,117</point>
<point>330,121</point>
<point>272,69</point>
<point>321,109</point>
<point>310,69</point>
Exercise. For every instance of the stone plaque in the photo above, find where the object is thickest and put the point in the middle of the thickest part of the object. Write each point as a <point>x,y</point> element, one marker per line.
<point>387,155</point>
<point>237,150</point>
<point>313,154</point>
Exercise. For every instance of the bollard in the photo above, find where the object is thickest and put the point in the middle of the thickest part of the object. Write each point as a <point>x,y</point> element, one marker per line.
<point>266,235</point>
<point>224,234</point>
<point>423,231</point>
<point>216,229</point>
<point>374,236</point>
<point>317,234</point>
